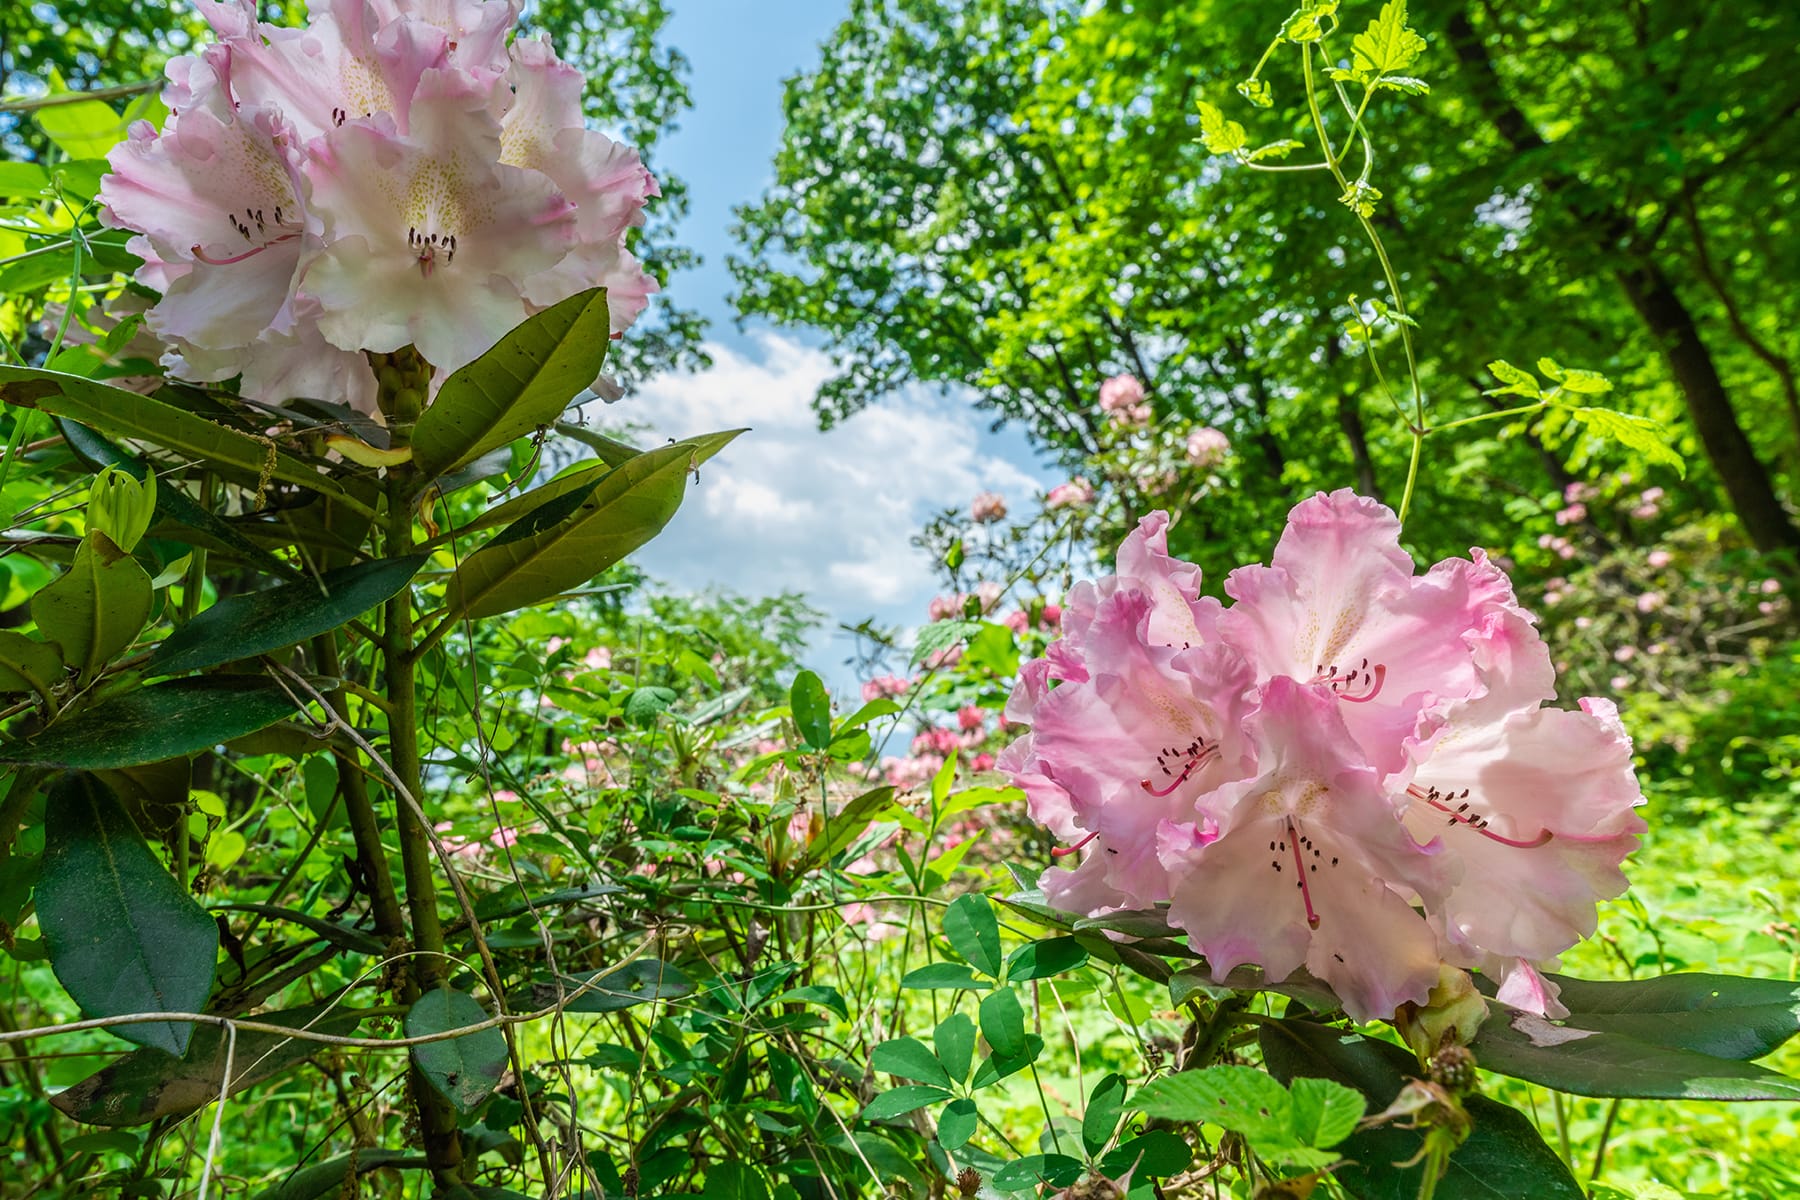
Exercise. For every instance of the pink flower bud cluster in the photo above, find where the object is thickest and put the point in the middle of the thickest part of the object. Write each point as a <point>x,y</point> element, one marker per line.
<point>396,173</point>
<point>1077,493</point>
<point>885,687</point>
<point>1351,767</point>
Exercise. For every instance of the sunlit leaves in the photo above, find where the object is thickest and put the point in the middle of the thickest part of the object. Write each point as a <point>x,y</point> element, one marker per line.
<point>1387,47</point>
<point>1221,136</point>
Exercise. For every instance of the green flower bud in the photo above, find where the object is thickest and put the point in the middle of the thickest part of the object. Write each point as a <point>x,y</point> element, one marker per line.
<point>1450,1015</point>
<point>121,507</point>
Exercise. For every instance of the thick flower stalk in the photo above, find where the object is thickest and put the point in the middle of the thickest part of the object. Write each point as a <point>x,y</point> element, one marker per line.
<point>1351,767</point>
<point>395,174</point>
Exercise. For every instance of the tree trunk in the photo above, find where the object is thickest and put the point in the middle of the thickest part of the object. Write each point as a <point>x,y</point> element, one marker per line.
<point>1653,297</point>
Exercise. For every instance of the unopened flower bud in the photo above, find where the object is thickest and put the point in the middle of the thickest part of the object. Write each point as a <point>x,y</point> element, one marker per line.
<point>969,1181</point>
<point>121,507</point>
<point>1453,1068</point>
<point>1451,1014</point>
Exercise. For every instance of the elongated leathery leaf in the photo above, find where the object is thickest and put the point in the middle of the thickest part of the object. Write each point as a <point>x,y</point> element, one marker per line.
<point>128,414</point>
<point>258,622</point>
<point>573,538</point>
<point>150,724</point>
<point>1597,1063</point>
<point>465,1069</point>
<point>1723,1015</point>
<point>147,1084</point>
<point>326,1180</point>
<point>123,935</point>
<point>525,381</point>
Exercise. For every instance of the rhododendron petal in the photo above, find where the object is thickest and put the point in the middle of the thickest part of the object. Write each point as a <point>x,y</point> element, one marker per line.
<point>392,274</point>
<point>1522,985</point>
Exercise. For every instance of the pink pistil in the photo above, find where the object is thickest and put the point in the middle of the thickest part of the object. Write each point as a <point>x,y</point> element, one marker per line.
<point>1364,676</point>
<point>1461,815</point>
<point>1065,851</point>
<point>200,254</point>
<point>1312,917</point>
<point>1197,758</point>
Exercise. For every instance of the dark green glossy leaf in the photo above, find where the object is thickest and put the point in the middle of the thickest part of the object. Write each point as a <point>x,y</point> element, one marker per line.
<point>1003,1022</point>
<point>1157,1154</point>
<point>150,724</point>
<point>909,1058</point>
<point>1041,960</point>
<point>897,1102</point>
<point>1105,1104</point>
<point>259,622</point>
<point>637,982</point>
<point>957,1124</point>
<point>954,1040</point>
<point>147,1084</point>
<point>1727,1016</point>
<point>998,1066</point>
<point>97,607</point>
<point>127,414</point>
<point>973,932</point>
<point>812,709</point>
<point>1503,1159</point>
<point>1143,923</point>
<point>569,540</point>
<point>123,935</point>
<point>1057,1170</point>
<point>28,665</point>
<point>464,1069</point>
<point>943,975</point>
<point>1590,1063</point>
<point>525,381</point>
<point>578,478</point>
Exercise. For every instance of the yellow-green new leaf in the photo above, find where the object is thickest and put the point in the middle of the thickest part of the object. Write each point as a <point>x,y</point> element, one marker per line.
<point>525,381</point>
<point>1388,46</point>
<point>97,607</point>
<point>566,542</point>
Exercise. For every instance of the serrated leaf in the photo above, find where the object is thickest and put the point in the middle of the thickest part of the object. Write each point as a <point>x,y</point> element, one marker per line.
<point>1219,135</point>
<point>97,607</point>
<point>909,1058</point>
<point>897,1102</point>
<point>645,704</point>
<point>571,539</point>
<point>1388,45</point>
<point>463,1069</point>
<point>1280,149</point>
<point>255,623</point>
<point>1404,84</point>
<point>974,932</point>
<point>151,724</point>
<point>123,935</point>
<point>525,381</point>
<point>1325,1112</point>
<point>1514,381</point>
<point>1640,435</point>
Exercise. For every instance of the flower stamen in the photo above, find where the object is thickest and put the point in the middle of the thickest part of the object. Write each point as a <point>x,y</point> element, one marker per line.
<point>1359,685</point>
<point>1460,815</point>
<point>1193,756</point>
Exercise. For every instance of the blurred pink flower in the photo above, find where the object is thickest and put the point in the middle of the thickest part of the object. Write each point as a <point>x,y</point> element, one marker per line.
<point>1649,602</point>
<point>1073,494</point>
<point>1769,587</point>
<point>1625,653</point>
<point>1018,620</point>
<point>1120,392</point>
<point>1573,514</point>
<point>946,608</point>
<point>971,718</point>
<point>1207,447</point>
<point>884,686</point>
<point>987,508</point>
<point>1658,559</point>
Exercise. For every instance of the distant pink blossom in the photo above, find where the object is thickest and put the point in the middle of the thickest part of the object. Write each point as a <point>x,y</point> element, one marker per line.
<point>988,593</point>
<point>971,718</point>
<point>1572,515</point>
<point>1207,447</point>
<point>982,762</point>
<point>1579,492</point>
<point>1649,602</point>
<point>1120,392</point>
<point>1625,653</point>
<point>1076,493</point>
<point>884,686</point>
<point>1767,608</point>
<point>987,507</point>
<point>1769,587</point>
<point>946,608</point>
<point>1658,559</point>
<point>598,658</point>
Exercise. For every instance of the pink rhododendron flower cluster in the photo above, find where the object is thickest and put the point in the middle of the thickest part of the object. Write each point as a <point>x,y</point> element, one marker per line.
<point>1207,447</point>
<point>1351,767</point>
<point>1076,493</point>
<point>1122,398</point>
<point>396,173</point>
<point>883,686</point>
<point>987,508</point>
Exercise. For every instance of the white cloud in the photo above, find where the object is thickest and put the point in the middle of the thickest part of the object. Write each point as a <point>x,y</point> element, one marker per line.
<point>787,507</point>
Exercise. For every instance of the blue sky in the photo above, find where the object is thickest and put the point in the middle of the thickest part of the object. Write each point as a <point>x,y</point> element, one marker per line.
<point>786,507</point>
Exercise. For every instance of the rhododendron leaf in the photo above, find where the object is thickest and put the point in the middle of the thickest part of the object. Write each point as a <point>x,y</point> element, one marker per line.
<point>569,540</point>
<point>257,622</point>
<point>525,381</point>
<point>957,1124</point>
<point>909,1058</point>
<point>811,707</point>
<point>1140,922</point>
<point>325,1181</point>
<point>973,932</point>
<point>1723,1015</point>
<point>902,1100</point>
<point>942,975</point>
<point>124,936</point>
<point>1504,1158</point>
<point>463,1069</point>
<point>999,1066</point>
<point>1590,1063</point>
<point>127,414</point>
<point>954,1040</point>
<point>155,723</point>
<point>1003,1022</point>
<point>637,982</point>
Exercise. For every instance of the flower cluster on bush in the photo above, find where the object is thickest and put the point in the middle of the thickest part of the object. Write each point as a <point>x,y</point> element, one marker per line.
<point>1351,767</point>
<point>393,174</point>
